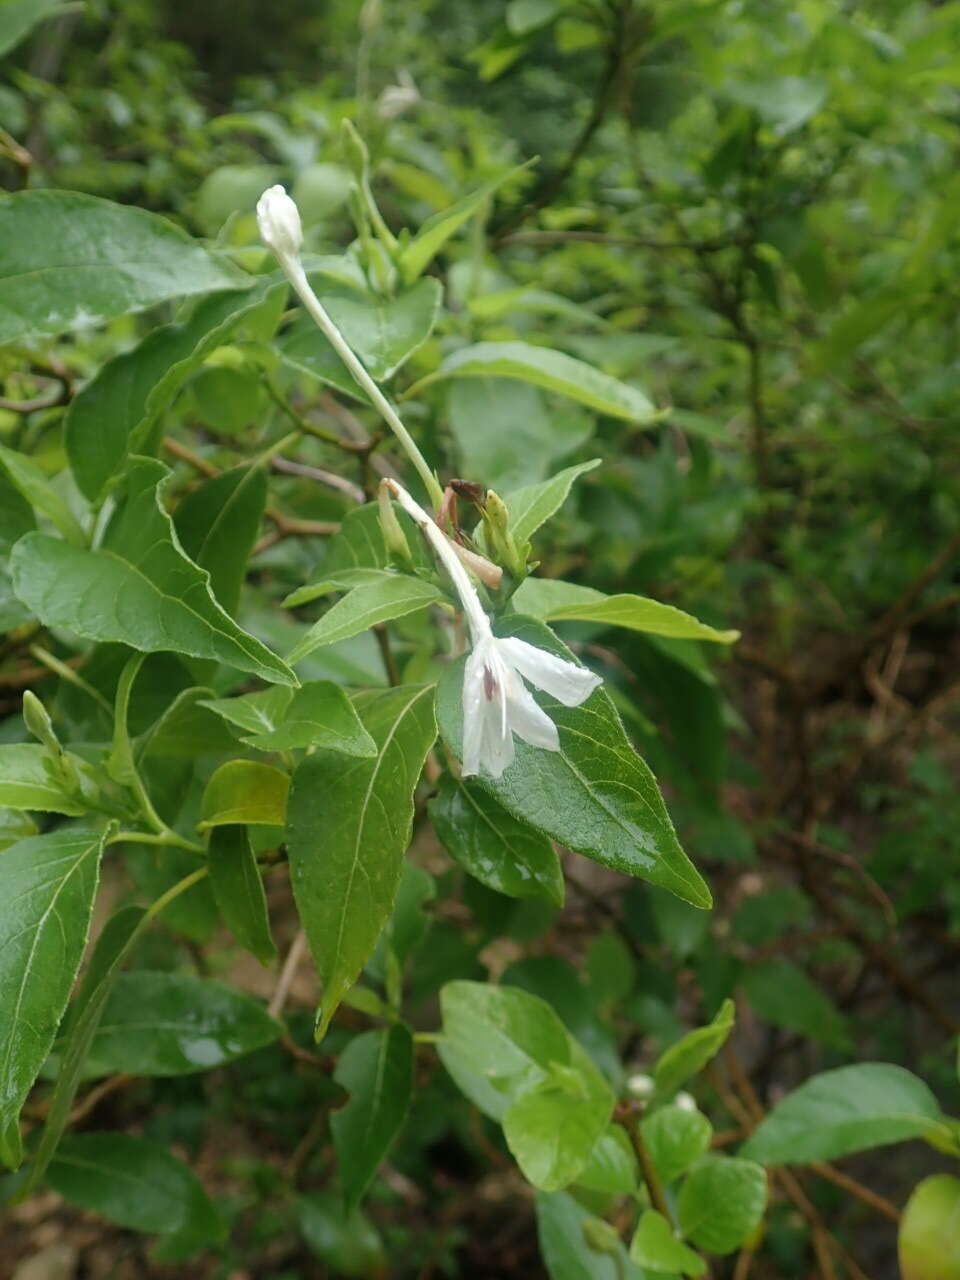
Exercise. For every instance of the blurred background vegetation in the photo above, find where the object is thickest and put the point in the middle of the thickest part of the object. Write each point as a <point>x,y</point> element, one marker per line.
<point>748,207</point>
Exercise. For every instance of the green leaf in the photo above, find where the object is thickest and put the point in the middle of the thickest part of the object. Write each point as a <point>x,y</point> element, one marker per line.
<point>693,1051</point>
<point>552,1129</point>
<point>359,544</point>
<point>347,1243</point>
<point>784,102</point>
<point>552,370</point>
<point>392,595</point>
<point>675,1138</point>
<point>19,17</point>
<point>595,795</point>
<point>533,505</point>
<point>551,600</point>
<point>69,260</point>
<point>167,1024</point>
<point>564,1230</point>
<point>111,417</point>
<point>138,588</point>
<point>721,1202</point>
<point>245,791</point>
<point>348,828</point>
<point>654,1245</point>
<point>318,714</point>
<point>238,889</point>
<point>849,1109</point>
<point>433,234</point>
<point>383,332</point>
<point>502,853</point>
<point>524,16</point>
<point>928,1243</point>
<point>217,525</point>
<point>612,1167</point>
<point>610,968</point>
<point>187,729</point>
<point>133,1183</point>
<point>784,995</point>
<point>376,1069</point>
<point>30,480</point>
<point>29,779</point>
<point>48,884</point>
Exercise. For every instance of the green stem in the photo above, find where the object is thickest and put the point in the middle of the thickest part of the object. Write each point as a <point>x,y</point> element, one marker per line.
<point>166,837</point>
<point>67,673</point>
<point>297,277</point>
<point>173,892</point>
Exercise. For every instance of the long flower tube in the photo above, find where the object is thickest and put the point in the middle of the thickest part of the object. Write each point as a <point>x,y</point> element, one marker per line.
<point>280,229</point>
<point>496,702</point>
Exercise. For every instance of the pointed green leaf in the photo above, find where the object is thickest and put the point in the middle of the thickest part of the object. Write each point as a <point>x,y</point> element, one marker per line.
<point>392,595</point>
<point>781,993</point>
<point>551,600</point>
<point>217,524</point>
<point>238,890</point>
<point>655,1246</point>
<point>19,17</point>
<point>492,845</point>
<point>376,1069</point>
<point>595,795</point>
<point>245,791</point>
<point>68,260</point>
<point>693,1051</point>
<point>533,505</point>
<point>48,884</point>
<point>348,829</point>
<point>32,483</point>
<point>318,714</point>
<point>138,588</point>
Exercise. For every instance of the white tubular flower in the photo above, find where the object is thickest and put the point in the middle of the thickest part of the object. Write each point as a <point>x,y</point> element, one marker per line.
<point>496,702</point>
<point>279,221</point>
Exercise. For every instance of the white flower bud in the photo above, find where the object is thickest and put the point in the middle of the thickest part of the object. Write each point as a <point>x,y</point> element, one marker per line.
<point>279,221</point>
<point>640,1085</point>
<point>685,1101</point>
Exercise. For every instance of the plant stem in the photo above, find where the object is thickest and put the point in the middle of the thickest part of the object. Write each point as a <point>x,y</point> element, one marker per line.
<point>630,1120</point>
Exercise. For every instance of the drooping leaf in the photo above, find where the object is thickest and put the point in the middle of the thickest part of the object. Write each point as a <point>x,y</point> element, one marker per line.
<point>392,595</point>
<point>358,813</point>
<point>133,1183</point>
<point>69,260</point>
<point>488,842</point>
<point>238,890</point>
<point>553,370</point>
<point>551,600</point>
<point>721,1202</point>
<point>693,1051</point>
<point>595,795</point>
<point>376,1069</point>
<point>138,587</point>
<point>168,1024</point>
<point>48,884</point>
<point>870,1104</point>
<point>110,418</point>
<point>217,525</point>
<point>655,1246</point>
<point>245,791</point>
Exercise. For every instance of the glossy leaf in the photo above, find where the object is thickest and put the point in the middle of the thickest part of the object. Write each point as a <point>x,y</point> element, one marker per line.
<point>612,1166</point>
<point>245,791</point>
<point>348,828</point>
<point>928,1243</point>
<point>492,845</point>
<point>238,889</point>
<point>48,884</point>
<point>318,714</point>
<point>168,1024</point>
<point>655,1246</point>
<point>376,1069</point>
<point>393,595</point>
<point>69,260</point>
<point>553,601</point>
<point>675,1139</point>
<point>595,795</point>
<point>133,1183</point>
<point>848,1109</point>
<point>110,418</point>
<point>721,1202</point>
<point>693,1051</point>
<point>217,524</point>
<point>552,1130</point>
<point>138,588</point>
<point>433,234</point>
<point>552,370</point>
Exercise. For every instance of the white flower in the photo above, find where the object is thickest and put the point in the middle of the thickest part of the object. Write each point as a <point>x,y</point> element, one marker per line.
<point>496,702</point>
<point>279,221</point>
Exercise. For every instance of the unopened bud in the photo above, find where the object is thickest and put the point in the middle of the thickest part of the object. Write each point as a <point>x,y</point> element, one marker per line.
<point>279,221</point>
<point>600,1236</point>
<point>38,722</point>
<point>395,540</point>
<point>640,1086</point>
<point>685,1101</point>
<point>496,520</point>
<point>354,150</point>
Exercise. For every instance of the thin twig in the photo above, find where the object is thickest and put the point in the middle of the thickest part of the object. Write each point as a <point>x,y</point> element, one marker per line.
<point>287,974</point>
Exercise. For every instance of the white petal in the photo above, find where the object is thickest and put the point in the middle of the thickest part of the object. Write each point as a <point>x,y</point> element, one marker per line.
<point>565,681</point>
<point>487,739</point>
<point>474,705</point>
<point>528,720</point>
